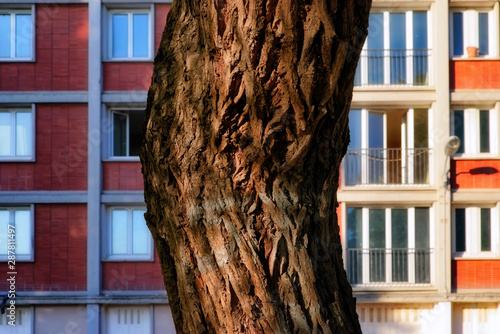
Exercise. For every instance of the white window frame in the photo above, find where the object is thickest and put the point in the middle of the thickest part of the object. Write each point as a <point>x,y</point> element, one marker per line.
<point>388,239</point>
<point>471,31</point>
<point>15,158</point>
<point>105,325</point>
<point>471,142</point>
<point>108,28</point>
<point>21,258</point>
<point>5,328</point>
<point>29,10</point>
<point>108,236</point>
<point>473,232</point>
<point>108,140</point>
<point>363,64</point>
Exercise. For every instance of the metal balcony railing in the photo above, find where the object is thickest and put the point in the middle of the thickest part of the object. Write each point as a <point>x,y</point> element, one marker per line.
<point>389,266</point>
<point>386,166</point>
<point>408,67</point>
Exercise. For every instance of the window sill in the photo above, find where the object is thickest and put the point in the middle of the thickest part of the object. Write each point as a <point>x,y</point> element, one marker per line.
<point>17,60</point>
<point>17,159</point>
<point>479,58</point>
<point>467,257</point>
<point>4,259</point>
<point>128,60</point>
<point>488,156</point>
<point>129,259</point>
<point>122,159</point>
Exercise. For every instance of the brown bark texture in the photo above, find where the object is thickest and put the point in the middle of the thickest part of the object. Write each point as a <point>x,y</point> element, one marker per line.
<point>246,126</point>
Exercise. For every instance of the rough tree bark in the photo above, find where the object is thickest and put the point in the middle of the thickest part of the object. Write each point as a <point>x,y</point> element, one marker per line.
<point>246,126</point>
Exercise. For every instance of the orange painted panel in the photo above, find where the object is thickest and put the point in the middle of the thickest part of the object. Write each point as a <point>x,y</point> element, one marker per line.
<point>472,174</point>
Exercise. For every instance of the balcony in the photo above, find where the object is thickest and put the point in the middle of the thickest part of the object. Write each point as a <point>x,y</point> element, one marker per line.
<point>389,267</point>
<point>408,67</point>
<point>386,166</point>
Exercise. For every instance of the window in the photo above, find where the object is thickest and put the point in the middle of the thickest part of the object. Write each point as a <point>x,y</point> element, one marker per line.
<point>472,29</point>
<point>476,231</point>
<point>16,134</point>
<point>128,235</point>
<point>388,147</point>
<point>389,246</point>
<point>16,35</point>
<point>128,319</point>
<point>476,130</point>
<point>130,34</point>
<point>23,322</point>
<point>396,51</point>
<point>126,134</point>
<point>19,220</point>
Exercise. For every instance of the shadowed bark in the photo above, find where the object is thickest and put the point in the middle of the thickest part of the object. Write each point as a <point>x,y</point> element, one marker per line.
<point>246,126</point>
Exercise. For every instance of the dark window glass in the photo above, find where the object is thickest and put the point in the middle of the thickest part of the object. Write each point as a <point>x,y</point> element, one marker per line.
<point>399,227</point>
<point>377,245</point>
<point>484,131</point>
<point>119,135</point>
<point>136,119</point>
<point>459,128</point>
<point>354,245</point>
<point>485,230</point>
<point>458,34</point>
<point>460,244</point>
<point>483,34</point>
<point>422,246</point>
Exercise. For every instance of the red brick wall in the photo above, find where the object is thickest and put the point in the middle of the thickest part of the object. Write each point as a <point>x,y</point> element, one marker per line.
<point>134,276</point>
<point>60,251</point>
<point>122,176</point>
<point>476,274</point>
<point>466,174</point>
<point>476,74</point>
<point>134,76</point>
<point>61,52</point>
<point>61,152</point>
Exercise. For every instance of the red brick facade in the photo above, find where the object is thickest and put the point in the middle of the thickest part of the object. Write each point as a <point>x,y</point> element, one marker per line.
<point>61,57</point>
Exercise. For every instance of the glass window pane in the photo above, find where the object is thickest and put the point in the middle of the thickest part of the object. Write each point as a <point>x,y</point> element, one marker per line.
<point>458,120</point>
<point>23,134</point>
<point>5,133</point>
<point>355,128</point>
<point>484,131</point>
<point>458,34</point>
<point>420,53</point>
<point>5,35</point>
<point>352,159</point>
<point>119,135</point>
<point>399,238</point>
<point>140,233</point>
<point>397,32</point>
<point>376,145</point>
<point>141,38</point>
<point>483,34</point>
<point>399,228</point>
<point>119,229</point>
<point>4,224</point>
<point>485,230</point>
<point>23,232</point>
<point>375,49</point>
<point>354,228</point>
<point>23,35</point>
<point>377,244</point>
<point>422,244</point>
<point>354,245</point>
<point>136,120</point>
<point>422,231</point>
<point>120,35</point>
<point>460,230</point>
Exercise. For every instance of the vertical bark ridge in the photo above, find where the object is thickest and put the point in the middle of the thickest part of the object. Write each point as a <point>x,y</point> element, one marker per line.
<point>246,125</point>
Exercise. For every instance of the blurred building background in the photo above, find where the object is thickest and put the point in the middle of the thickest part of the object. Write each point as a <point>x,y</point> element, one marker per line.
<point>420,231</point>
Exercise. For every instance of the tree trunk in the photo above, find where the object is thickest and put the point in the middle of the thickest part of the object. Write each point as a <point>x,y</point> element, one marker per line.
<point>246,126</point>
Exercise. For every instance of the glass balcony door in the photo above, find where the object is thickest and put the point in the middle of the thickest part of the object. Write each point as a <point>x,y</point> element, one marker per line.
<point>389,246</point>
<point>396,50</point>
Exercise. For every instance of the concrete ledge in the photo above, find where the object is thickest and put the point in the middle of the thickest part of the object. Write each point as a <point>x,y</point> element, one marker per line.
<point>76,297</point>
<point>379,196</point>
<point>34,197</point>
<point>113,197</point>
<point>467,196</point>
<point>136,99</point>
<point>397,97</point>
<point>43,97</point>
